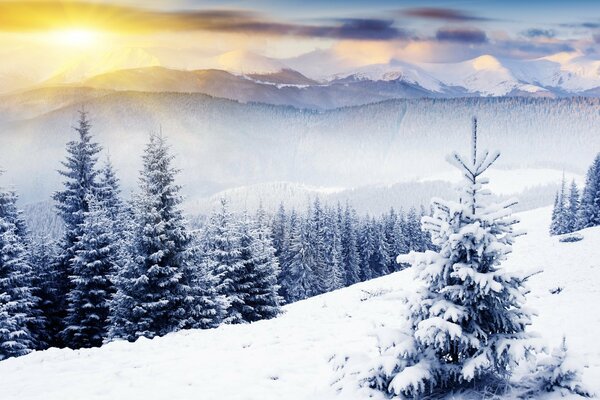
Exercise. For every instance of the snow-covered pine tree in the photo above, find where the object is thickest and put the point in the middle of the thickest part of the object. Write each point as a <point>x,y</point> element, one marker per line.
<point>154,293</point>
<point>42,257</point>
<point>558,225</point>
<point>280,231</point>
<point>366,248</point>
<point>350,256</point>
<point>332,272</point>
<point>590,199</point>
<point>402,245</point>
<point>572,210</point>
<point>317,231</point>
<point>17,303</point>
<point>72,204</point>
<point>261,298</point>
<point>469,323</point>
<point>209,307</point>
<point>224,261</point>
<point>413,230</point>
<point>390,222</point>
<point>379,260</point>
<point>92,286</point>
<point>298,276</point>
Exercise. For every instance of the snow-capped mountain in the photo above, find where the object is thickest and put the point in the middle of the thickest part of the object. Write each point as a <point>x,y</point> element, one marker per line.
<point>249,77</point>
<point>180,365</point>
<point>556,75</point>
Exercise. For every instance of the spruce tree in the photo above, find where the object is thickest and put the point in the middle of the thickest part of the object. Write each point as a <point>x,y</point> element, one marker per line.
<point>572,211</point>
<point>92,287</point>
<point>469,322</point>
<point>17,303</point>
<point>261,298</point>
<point>350,256</point>
<point>72,204</point>
<point>559,223</point>
<point>280,231</point>
<point>298,279</point>
<point>224,261</point>
<point>380,255</point>
<point>317,231</point>
<point>366,249</point>
<point>209,307</point>
<point>45,283</point>
<point>590,199</point>
<point>154,293</point>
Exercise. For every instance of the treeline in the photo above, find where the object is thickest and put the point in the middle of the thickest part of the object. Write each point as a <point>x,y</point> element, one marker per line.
<point>574,210</point>
<point>128,269</point>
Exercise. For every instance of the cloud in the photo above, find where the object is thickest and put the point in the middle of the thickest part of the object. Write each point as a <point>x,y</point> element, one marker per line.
<point>445,14</point>
<point>360,29</point>
<point>587,25</point>
<point>597,38</point>
<point>539,33</point>
<point>26,15</point>
<point>463,35</point>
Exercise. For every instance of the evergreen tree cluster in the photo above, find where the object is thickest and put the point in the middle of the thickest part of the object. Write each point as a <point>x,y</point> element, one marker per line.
<point>327,248</point>
<point>574,210</point>
<point>126,269</point>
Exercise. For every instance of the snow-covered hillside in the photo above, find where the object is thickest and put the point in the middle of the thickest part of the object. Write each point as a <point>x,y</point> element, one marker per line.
<point>287,358</point>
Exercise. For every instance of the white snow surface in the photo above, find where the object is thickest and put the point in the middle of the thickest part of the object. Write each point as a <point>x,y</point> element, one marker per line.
<point>287,357</point>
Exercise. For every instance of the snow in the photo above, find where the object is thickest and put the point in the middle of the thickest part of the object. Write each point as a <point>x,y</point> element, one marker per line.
<point>288,357</point>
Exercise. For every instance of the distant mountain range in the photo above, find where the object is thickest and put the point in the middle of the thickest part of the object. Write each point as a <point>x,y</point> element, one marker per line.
<point>248,77</point>
<point>223,144</point>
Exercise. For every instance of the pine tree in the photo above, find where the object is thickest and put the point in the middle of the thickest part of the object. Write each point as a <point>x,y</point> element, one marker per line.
<point>154,294</point>
<point>350,256</point>
<point>559,224</point>
<point>45,284</point>
<point>72,204</point>
<point>572,211</point>
<point>17,303</point>
<point>332,271</point>
<point>380,256</point>
<point>317,232</point>
<point>366,249</point>
<point>280,231</point>
<point>590,200</point>
<point>225,263</point>
<point>209,307</point>
<point>390,223</point>
<point>298,276</point>
<point>92,287</point>
<point>469,322</point>
<point>261,300</point>
<point>413,230</point>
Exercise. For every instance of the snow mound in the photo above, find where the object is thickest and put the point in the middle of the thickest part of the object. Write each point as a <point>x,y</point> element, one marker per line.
<point>289,357</point>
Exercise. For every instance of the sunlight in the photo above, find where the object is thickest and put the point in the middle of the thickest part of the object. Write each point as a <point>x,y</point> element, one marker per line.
<point>76,37</point>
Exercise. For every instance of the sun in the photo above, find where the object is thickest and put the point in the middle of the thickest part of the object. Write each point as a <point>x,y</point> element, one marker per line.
<point>78,37</point>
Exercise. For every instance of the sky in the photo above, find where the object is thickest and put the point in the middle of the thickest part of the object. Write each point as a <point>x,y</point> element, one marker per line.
<point>70,40</point>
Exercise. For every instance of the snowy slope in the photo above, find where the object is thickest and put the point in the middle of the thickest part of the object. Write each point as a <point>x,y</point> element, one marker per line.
<point>287,358</point>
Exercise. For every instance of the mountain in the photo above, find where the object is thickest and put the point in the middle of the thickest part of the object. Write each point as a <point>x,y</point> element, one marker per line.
<point>285,76</point>
<point>285,87</point>
<point>562,74</point>
<point>270,81</point>
<point>222,144</point>
<point>289,357</point>
<point>536,188</point>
